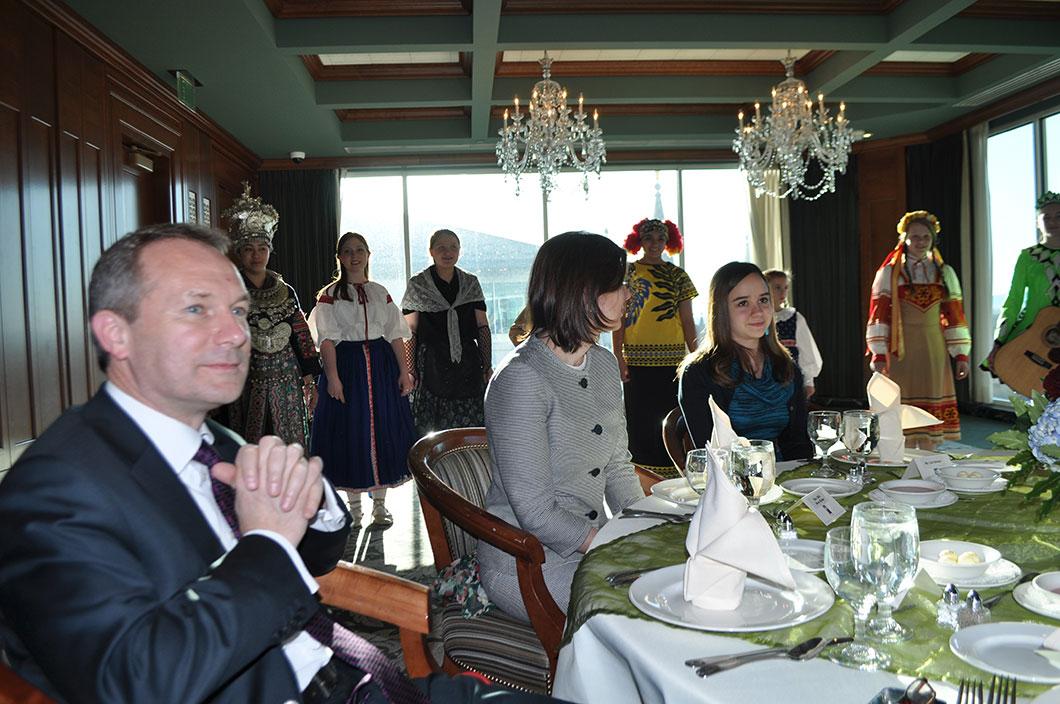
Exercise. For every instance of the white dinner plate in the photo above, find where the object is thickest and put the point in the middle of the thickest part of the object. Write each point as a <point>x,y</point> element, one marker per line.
<point>765,606</point>
<point>809,554</point>
<point>677,491</point>
<point>995,465</point>
<point>999,574</point>
<point>1031,598</point>
<point>946,498</point>
<point>1007,648</point>
<point>838,488</point>
<point>1050,697</point>
<point>874,460</point>
<point>999,484</point>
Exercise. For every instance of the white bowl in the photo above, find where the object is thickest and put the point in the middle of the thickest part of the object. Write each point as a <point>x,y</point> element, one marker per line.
<point>1047,585</point>
<point>929,555</point>
<point>958,477</point>
<point>915,492</point>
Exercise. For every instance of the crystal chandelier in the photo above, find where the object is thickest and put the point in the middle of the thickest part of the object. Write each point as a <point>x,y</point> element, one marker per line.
<point>550,136</point>
<point>792,136</point>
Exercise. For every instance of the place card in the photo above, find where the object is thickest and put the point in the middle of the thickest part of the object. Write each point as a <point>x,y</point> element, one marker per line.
<point>925,467</point>
<point>922,582</point>
<point>823,505</point>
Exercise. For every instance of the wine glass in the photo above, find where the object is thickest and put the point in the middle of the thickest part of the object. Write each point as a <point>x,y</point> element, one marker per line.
<point>823,427</point>
<point>885,544</point>
<point>860,434</point>
<point>753,468</point>
<point>697,468</point>
<point>843,577</point>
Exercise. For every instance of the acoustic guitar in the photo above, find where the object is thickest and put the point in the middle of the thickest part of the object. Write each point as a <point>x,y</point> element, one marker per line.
<point>1023,361</point>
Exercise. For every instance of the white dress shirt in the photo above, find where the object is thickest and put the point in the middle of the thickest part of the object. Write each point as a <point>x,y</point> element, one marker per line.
<point>177,443</point>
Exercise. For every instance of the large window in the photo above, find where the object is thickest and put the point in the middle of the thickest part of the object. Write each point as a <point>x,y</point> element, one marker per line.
<point>500,232</point>
<point>1022,161</point>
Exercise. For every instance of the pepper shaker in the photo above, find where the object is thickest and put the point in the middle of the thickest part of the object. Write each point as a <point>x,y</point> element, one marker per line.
<point>972,612</point>
<point>948,606</point>
<point>785,527</point>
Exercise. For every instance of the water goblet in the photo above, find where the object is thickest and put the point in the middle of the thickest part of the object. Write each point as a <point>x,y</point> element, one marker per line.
<point>843,577</point>
<point>753,468</point>
<point>885,544</point>
<point>860,435</point>
<point>823,427</point>
<point>697,468</point>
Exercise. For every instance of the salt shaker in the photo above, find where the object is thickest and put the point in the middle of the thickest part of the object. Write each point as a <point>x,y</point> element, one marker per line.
<point>972,612</point>
<point>948,606</point>
<point>785,527</point>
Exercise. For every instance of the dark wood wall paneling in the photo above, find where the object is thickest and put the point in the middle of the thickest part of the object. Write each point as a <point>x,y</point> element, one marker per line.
<point>72,105</point>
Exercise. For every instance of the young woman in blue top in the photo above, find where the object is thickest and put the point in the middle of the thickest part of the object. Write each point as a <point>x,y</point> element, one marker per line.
<point>745,368</point>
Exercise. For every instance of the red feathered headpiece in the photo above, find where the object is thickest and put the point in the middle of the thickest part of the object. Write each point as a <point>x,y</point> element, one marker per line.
<point>674,243</point>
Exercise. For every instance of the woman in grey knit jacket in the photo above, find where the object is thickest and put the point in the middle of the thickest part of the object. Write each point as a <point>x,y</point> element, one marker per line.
<point>555,419</point>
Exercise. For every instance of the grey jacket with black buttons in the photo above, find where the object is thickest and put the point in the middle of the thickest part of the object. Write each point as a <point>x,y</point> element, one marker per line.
<point>558,448</point>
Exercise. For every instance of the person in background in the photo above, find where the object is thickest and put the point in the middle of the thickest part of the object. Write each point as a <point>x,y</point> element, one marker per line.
<point>793,330</point>
<point>916,324</point>
<point>655,335</point>
<point>280,392</point>
<point>450,351</point>
<point>1035,279</point>
<point>554,418</point>
<point>362,427</point>
<point>746,370</point>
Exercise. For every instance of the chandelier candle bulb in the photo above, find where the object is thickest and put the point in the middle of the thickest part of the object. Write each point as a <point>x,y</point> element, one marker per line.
<point>517,106</point>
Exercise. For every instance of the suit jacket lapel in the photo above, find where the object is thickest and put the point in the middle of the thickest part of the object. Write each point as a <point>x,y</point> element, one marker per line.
<point>148,469</point>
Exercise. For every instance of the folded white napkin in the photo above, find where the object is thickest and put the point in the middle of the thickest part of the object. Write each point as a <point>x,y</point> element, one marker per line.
<point>723,435</point>
<point>885,399</point>
<point>726,541</point>
<point>1050,649</point>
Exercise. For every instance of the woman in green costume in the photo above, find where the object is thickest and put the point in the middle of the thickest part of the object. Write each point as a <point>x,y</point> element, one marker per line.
<point>1036,278</point>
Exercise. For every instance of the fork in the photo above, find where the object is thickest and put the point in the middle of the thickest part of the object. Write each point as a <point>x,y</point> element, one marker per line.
<point>1002,691</point>
<point>969,692</point>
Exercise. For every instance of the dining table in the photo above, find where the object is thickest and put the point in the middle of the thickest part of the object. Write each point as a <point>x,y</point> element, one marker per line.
<point>613,653</point>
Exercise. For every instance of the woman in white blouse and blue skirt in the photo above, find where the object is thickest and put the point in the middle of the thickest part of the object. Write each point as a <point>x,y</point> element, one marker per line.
<point>362,427</point>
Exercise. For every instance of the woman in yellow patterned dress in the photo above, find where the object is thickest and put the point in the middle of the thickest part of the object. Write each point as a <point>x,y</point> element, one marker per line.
<point>912,341</point>
<point>658,330</point>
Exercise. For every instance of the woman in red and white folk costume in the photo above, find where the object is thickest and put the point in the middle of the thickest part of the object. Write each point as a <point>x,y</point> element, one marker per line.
<point>912,336</point>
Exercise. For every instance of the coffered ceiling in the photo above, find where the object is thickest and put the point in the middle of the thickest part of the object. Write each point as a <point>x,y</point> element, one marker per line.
<point>421,78</point>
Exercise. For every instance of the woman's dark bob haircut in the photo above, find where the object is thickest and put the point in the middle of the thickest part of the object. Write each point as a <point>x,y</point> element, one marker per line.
<point>570,272</point>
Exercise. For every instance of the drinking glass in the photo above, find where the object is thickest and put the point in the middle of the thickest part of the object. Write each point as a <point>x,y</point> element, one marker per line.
<point>885,543</point>
<point>843,577</point>
<point>823,427</point>
<point>860,435</point>
<point>753,468</point>
<point>697,469</point>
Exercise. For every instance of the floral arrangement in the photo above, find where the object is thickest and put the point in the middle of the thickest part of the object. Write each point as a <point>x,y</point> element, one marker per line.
<point>1036,439</point>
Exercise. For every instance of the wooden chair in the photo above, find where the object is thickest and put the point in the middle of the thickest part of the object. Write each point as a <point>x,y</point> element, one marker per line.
<point>452,471</point>
<point>361,590</point>
<point>676,438</point>
<point>647,478</point>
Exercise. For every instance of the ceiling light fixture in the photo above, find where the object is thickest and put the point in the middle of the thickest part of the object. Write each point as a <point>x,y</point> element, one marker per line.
<point>792,136</point>
<point>550,136</point>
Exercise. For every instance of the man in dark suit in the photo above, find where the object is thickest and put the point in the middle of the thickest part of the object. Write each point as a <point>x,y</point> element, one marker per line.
<point>146,555</point>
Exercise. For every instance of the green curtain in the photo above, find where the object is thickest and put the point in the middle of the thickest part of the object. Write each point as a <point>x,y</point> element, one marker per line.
<point>304,246</point>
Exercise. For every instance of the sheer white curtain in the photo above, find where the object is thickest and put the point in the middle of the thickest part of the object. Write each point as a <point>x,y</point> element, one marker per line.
<point>770,228</point>
<point>978,274</point>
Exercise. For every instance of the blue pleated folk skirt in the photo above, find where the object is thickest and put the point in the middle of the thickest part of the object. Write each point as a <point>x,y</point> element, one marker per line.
<point>365,441</point>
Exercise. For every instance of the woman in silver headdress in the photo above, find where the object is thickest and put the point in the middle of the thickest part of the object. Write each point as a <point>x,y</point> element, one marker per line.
<point>280,389</point>
<point>451,347</point>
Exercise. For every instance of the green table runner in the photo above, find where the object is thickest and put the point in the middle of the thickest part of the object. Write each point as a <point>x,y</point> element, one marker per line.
<point>994,519</point>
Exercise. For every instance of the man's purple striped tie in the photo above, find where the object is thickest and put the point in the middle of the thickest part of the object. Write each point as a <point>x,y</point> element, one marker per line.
<point>349,647</point>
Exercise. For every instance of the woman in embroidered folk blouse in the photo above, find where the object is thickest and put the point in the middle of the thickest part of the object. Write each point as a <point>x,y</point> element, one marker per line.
<point>656,333</point>
<point>746,370</point>
<point>362,427</point>
<point>1036,278</point>
<point>450,350</point>
<point>912,342</point>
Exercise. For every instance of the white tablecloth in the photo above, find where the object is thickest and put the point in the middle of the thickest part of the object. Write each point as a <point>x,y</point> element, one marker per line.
<point>613,659</point>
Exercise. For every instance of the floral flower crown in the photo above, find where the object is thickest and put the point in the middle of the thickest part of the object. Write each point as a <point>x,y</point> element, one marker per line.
<point>674,241</point>
<point>933,222</point>
<point>1047,198</point>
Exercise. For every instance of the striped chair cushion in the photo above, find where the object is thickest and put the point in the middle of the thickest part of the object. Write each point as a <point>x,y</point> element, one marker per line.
<point>467,472</point>
<point>500,647</point>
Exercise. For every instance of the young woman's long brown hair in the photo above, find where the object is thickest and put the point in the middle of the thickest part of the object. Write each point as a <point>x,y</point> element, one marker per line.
<point>723,349</point>
<point>342,291</point>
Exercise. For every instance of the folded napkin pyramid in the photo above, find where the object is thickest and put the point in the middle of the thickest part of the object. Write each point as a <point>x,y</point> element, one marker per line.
<point>885,399</point>
<point>723,436</point>
<point>726,541</point>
